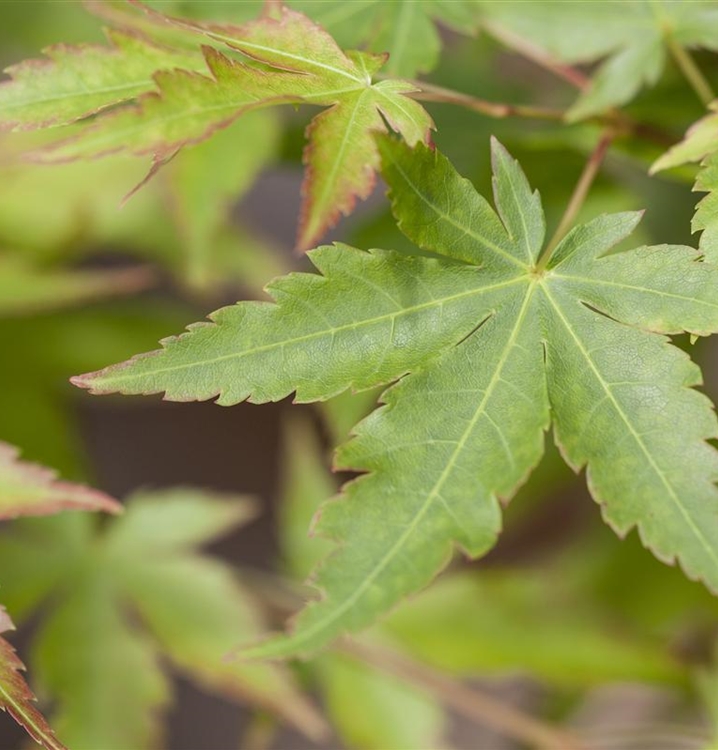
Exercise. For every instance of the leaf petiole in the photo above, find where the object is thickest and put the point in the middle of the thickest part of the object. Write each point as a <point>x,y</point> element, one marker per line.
<point>691,71</point>
<point>578,196</point>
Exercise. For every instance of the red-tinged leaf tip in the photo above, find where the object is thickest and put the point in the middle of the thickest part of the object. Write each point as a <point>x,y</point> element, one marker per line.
<point>16,697</point>
<point>28,489</point>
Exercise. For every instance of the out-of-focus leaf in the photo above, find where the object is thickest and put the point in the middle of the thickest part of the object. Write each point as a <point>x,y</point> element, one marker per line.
<point>103,673</point>
<point>403,28</point>
<point>342,412</point>
<point>32,490</point>
<point>193,612</point>
<point>25,289</point>
<point>632,43</point>
<point>497,621</point>
<point>57,544</point>
<point>36,406</point>
<point>369,709</point>
<point>15,696</point>
<point>207,179</point>
<point>372,710</point>
<point>306,484</point>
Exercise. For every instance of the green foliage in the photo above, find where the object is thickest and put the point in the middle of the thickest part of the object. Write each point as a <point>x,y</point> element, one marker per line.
<point>467,426</point>
<point>404,29</point>
<point>193,611</point>
<point>481,333</point>
<point>25,289</point>
<point>15,696</point>
<point>297,62</point>
<point>31,490</point>
<point>633,44</point>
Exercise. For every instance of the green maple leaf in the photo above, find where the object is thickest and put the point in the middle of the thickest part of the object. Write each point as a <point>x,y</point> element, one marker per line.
<point>31,490</point>
<point>16,697</point>
<point>632,44</point>
<point>286,58</point>
<point>77,81</point>
<point>701,145</point>
<point>498,346</point>
<point>134,607</point>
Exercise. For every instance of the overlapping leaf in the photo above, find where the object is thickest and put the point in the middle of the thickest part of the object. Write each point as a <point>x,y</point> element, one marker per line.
<point>701,145</point>
<point>294,61</point>
<point>74,82</point>
<point>109,684</point>
<point>498,346</point>
<point>31,490</point>
<point>370,710</point>
<point>632,43</point>
<point>15,696</point>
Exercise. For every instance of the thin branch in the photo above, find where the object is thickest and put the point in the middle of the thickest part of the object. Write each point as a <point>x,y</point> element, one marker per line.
<point>474,704</point>
<point>578,196</point>
<point>690,70</point>
<point>620,122</point>
<point>428,92</point>
<point>534,53</point>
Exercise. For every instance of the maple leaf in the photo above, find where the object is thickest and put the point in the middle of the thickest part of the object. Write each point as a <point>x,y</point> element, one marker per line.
<point>135,608</point>
<point>298,62</point>
<point>632,44</point>
<point>16,697</point>
<point>32,490</point>
<point>77,81</point>
<point>700,145</point>
<point>498,345</point>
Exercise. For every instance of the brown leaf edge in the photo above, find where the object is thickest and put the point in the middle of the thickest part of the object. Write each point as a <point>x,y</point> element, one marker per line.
<point>16,697</point>
<point>65,495</point>
<point>112,49</point>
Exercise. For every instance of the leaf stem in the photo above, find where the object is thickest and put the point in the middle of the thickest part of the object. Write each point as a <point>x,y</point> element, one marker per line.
<point>476,705</point>
<point>690,70</point>
<point>428,92</point>
<point>578,196</point>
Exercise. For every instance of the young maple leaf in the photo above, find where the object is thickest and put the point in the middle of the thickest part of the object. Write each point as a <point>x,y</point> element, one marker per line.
<point>499,345</point>
<point>16,697</point>
<point>701,145</point>
<point>139,591</point>
<point>77,81</point>
<point>300,63</point>
<point>31,490</point>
